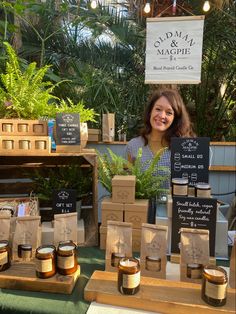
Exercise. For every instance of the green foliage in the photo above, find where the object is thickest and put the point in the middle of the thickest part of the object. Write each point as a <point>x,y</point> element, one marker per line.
<point>68,177</point>
<point>23,94</point>
<point>148,180</point>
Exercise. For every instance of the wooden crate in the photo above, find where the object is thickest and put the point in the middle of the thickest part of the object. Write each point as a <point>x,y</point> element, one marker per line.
<point>23,127</point>
<point>157,295</point>
<point>25,145</point>
<point>21,276</point>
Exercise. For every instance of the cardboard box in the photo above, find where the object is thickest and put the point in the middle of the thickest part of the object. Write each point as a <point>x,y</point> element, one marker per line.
<point>111,211</point>
<point>94,135</point>
<point>136,213</point>
<point>123,189</point>
<point>136,238</point>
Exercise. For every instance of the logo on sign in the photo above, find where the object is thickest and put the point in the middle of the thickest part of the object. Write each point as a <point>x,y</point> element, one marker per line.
<point>63,195</point>
<point>190,145</point>
<point>67,118</point>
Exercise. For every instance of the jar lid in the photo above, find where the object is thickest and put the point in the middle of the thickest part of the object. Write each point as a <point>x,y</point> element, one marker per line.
<point>120,255</point>
<point>153,258</point>
<point>3,244</point>
<point>25,247</point>
<point>203,186</point>
<point>129,262</point>
<point>181,181</point>
<point>215,273</point>
<point>194,266</point>
<point>66,247</point>
<point>46,249</point>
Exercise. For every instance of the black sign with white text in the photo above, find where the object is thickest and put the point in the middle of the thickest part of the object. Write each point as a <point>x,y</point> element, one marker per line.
<point>64,201</point>
<point>68,129</point>
<point>196,213</point>
<point>190,159</point>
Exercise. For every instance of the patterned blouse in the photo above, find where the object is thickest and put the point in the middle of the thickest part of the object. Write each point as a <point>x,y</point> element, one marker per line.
<point>147,156</point>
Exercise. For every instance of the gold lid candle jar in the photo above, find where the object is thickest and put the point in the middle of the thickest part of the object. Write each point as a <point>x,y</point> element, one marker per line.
<point>179,187</point>
<point>203,190</point>
<point>115,258</point>
<point>214,285</point>
<point>5,259</point>
<point>25,252</point>
<point>66,258</point>
<point>194,271</point>
<point>153,263</point>
<point>45,261</point>
<point>129,276</point>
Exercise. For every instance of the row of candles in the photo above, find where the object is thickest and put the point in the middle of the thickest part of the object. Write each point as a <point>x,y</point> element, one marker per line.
<point>24,144</point>
<point>180,187</point>
<point>48,259</point>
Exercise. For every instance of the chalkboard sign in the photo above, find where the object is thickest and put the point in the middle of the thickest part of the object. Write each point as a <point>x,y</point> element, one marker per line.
<point>68,129</point>
<point>64,201</point>
<point>196,213</point>
<point>190,159</point>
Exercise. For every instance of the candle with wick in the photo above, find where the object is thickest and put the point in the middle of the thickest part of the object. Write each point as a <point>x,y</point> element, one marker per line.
<point>129,276</point>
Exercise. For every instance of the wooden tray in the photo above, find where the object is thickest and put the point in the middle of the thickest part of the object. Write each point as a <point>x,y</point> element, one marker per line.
<point>156,295</point>
<point>22,277</point>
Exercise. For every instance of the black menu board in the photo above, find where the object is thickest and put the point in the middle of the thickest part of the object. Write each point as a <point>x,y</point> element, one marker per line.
<point>196,213</point>
<point>64,201</point>
<point>68,129</point>
<point>190,159</point>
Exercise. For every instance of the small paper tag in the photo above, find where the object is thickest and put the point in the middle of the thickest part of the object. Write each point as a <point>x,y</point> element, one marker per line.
<point>21,210</point>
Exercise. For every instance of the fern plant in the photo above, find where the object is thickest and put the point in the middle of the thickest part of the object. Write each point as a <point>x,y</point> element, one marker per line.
<point>149,176</point>
<point>23,94</point>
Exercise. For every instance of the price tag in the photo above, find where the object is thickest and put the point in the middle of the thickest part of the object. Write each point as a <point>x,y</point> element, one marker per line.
<point>21,210</point>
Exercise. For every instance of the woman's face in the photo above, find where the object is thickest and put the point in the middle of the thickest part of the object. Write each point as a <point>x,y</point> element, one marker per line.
<point>162,115</point>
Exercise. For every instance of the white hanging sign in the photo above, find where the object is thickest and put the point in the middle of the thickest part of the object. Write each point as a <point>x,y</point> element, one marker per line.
<point>174,50</point>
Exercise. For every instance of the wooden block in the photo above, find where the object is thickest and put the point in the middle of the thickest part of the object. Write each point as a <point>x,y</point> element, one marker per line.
<point>68,148</point>
<point>111,211</point>
<point>123,189</point>
<point>25,145</point>
<point>157,295</point>
<point>137,212</point>
<point>21,276</point>
<point>15,127</point>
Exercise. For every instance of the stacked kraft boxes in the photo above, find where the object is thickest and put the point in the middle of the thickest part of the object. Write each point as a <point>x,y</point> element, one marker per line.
<point>123,206</point>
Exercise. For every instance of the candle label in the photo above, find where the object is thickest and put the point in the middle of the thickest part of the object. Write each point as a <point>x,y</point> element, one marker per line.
<point>131,281</point>
<point>203,193</point>
<point>180,189</point>
<point>215,291</point>
<point>65,262</point>
<point>43,266</point>
<point>3,258</point>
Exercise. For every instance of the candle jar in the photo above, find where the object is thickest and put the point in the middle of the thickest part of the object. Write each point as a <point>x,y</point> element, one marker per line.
<point>38,128</point>
<point>7,144</point>
<point>194,271</point>
<point>153,263</point>
<point>203,190</point>
<point>115,258</point>
<point>22,127</point>
<point>25,252</point>
<point>179,187</point>
<point>128,276</point>
<point>7,127</point>
<point>5,258</point>
<point>66,258</point>
<point>40,144</point>
<point>24,144</point>
<point>45,260</point>
<point>214,285</point>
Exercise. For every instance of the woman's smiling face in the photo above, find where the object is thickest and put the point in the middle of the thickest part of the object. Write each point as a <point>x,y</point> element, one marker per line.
<point>162,115</point>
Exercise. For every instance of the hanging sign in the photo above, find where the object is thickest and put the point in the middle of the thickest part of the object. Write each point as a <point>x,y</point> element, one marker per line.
<point>190,159</point>
<point>174,50</point>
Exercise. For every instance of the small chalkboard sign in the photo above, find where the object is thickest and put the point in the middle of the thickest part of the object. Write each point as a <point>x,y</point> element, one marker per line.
<point>68,129</point>
<point>64,201</point>
<point>190,159</point>
<point>195,213</point>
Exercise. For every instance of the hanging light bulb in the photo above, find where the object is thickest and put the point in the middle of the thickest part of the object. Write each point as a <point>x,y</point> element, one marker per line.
<point>147,7</point>
<point>206,6</point>
<point>93,4</point>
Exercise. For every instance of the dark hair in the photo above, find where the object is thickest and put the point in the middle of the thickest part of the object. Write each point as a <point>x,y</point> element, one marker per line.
<point>180,127</point>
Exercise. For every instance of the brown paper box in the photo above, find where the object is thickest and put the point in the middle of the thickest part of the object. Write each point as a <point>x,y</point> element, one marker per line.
<point>123,189</point>
<point>108,127</point>
<point>232,271</point>
<point>136,213</point>
<point>111,211</point>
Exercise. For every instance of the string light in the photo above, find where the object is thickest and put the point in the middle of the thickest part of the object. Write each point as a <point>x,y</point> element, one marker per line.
<point>147,7</point>
<point>93,4</point>
<point>206,6</point>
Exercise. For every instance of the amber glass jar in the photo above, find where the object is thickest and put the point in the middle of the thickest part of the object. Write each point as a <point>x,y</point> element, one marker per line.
<point>45,261</point>
<point>25,252</point>
<point>214,285</point>
<point>5,255</point>
<point>179,187</point>
<point>115,258</point>
<point>66,258</point>
<point>129,276</point>
<point>153,263</point>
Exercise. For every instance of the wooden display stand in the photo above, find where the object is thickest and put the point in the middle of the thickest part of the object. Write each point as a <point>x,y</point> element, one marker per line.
<point>22,276</point>
<point>16,127</point>
<point>25,145</point>
<point>157,295</point>
<point>15,168</point>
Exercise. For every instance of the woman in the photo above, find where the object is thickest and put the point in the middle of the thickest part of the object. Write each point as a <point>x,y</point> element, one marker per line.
<point>165,117</point>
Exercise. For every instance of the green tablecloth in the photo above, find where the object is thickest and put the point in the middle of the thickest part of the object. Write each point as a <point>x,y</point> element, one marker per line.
<point>18,301</point>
